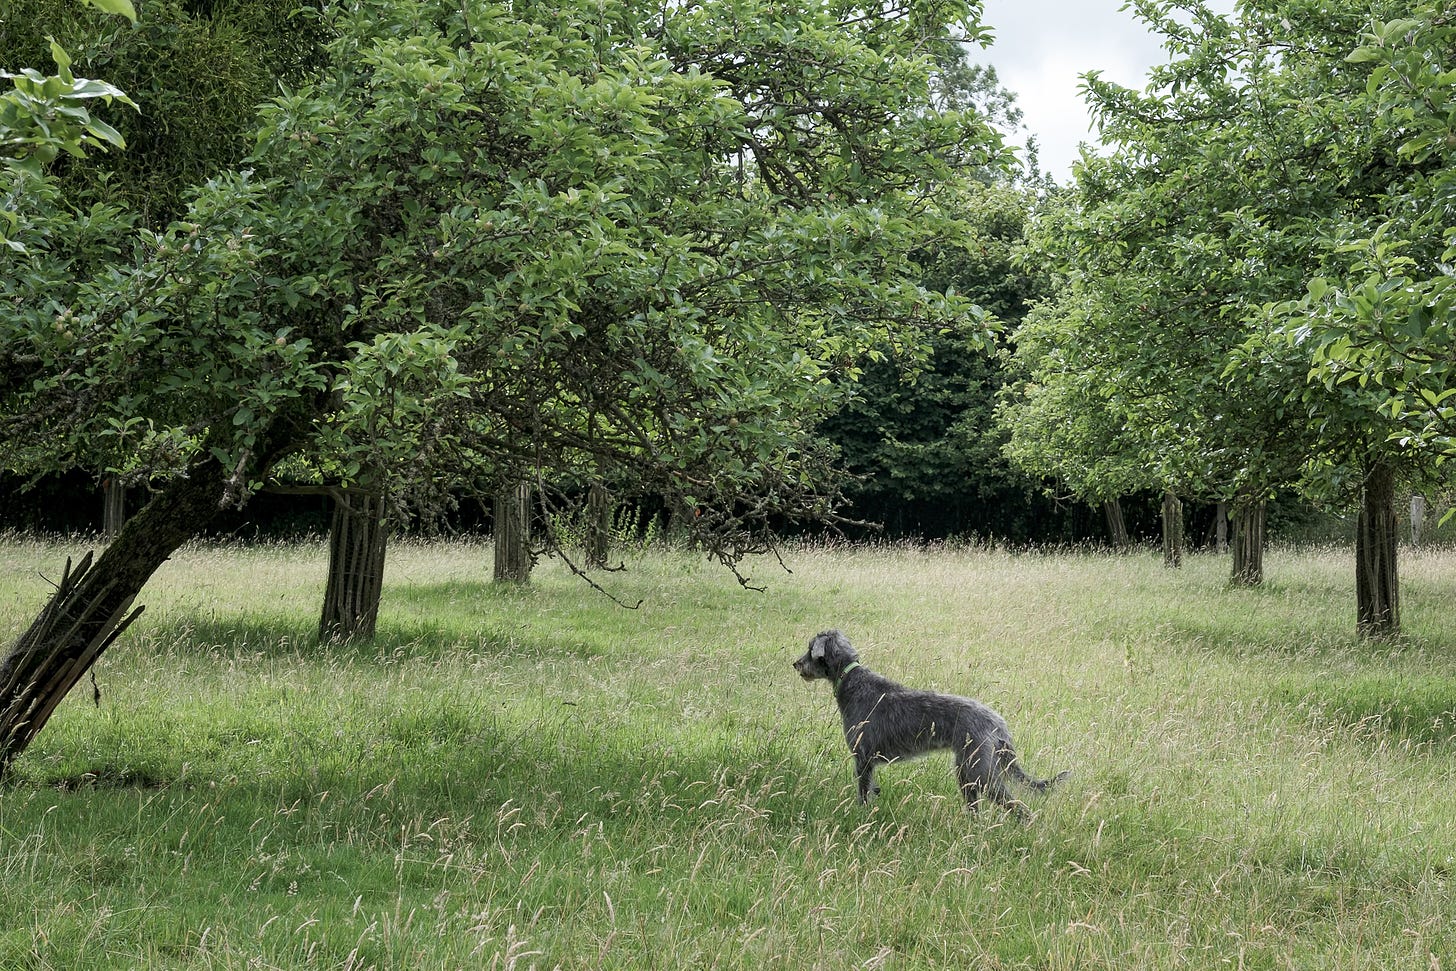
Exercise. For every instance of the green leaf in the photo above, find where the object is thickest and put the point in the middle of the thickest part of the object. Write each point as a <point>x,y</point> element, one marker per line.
<point>105,132</point>
<point>122,7</point>
<point>62,59</point>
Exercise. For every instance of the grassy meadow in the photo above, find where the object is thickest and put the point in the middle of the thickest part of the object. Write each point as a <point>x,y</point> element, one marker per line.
<point>539,778</point>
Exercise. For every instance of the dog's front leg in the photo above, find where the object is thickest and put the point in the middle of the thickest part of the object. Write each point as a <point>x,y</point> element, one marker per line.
<point>864,770</point>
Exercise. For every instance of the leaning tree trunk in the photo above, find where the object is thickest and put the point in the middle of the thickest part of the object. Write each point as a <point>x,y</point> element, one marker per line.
<point>1116,525</point>
<point>1248,542</point>
<point>513,533</point>
<point>92,605</point>
<point>358,536</point>
<point>1172,531</point>
<point>598,527</point>
<point>1377,587</point>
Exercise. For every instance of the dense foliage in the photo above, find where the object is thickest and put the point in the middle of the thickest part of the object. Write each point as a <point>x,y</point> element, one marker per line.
<point>625,243</point>
<point>1267,162</point>
<point>197,68</point>
<point>922,441</point>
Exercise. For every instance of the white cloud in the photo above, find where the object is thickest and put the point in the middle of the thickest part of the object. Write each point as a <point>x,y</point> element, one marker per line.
<point>1042,49</point>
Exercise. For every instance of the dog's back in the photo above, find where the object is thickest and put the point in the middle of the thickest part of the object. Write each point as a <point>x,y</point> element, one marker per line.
<point>889,721</point>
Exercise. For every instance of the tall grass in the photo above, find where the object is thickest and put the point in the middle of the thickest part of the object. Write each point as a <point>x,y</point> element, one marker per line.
<point>519,778</point>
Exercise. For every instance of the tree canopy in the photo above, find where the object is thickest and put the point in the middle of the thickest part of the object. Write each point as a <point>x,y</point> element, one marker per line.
<point>1257,260</point>
<point>601,236</point>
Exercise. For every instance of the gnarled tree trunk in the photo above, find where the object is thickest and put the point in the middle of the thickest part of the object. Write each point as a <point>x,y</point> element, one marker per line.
<point>358,536</point>
<point>512,533</point>
<point>1172,531</point>
<point>92,605</point>
<point>1248,542</point>
<point>1377,586</point>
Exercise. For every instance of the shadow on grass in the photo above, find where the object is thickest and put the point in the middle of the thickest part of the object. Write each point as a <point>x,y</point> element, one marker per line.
<point>287,636</point>
<point>1291,618</point>
<point>452,758</point>
<point>1417,711</point>
<point>1315,667</point>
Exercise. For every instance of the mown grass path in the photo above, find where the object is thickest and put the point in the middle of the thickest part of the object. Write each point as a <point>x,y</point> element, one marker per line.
<point>540,778</point>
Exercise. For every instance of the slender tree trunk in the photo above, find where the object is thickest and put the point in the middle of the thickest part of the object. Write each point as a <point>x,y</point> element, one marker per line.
<point>598,527</point>
<point>1377,586</point>
<point>1418,518</point>
<point>1116,525</point>
<point>113,508</point>
<point>92,605</point>
<point>358,536</point>
<point>1172,531</point>
<point>513,534</point>
<point>1248,542</point>
<point>1221,528</point>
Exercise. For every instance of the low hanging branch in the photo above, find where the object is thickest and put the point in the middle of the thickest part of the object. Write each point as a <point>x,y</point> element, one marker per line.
<point>34,679</point>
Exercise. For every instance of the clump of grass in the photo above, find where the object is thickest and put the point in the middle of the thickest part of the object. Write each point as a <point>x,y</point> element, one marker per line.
<point>540,778</point>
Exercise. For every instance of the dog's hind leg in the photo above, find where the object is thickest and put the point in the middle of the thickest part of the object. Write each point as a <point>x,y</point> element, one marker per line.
<point>973,773</point>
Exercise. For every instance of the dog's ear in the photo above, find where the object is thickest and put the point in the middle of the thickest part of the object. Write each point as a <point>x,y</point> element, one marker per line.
<point>829,642</point>
<point>840,647</point>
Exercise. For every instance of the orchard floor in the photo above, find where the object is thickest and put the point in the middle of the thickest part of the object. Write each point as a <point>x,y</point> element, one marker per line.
<point>538,777</point>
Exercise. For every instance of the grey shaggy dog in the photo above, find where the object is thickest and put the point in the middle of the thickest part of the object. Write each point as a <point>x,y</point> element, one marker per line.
<point>885,721</point>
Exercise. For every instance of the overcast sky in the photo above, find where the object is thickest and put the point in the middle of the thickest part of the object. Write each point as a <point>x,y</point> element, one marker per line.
<point>1043,47</point>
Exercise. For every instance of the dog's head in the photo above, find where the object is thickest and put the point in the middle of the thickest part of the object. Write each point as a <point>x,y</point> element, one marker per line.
<point>828,655</point>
